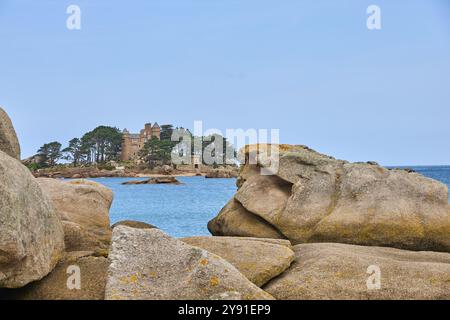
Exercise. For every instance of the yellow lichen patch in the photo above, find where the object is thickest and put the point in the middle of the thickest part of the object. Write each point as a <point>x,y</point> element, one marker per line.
<point>129,279</point>
<point>214,281</point>
<point>204,262</point>
<point>83,181</point>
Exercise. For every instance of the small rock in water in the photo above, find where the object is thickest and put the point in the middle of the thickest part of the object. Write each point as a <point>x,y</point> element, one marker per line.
<point>155,180</point>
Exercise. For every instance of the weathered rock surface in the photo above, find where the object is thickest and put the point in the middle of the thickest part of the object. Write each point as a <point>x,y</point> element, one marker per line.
<point>147,264</point>
<point>155,180</point>
<point>340,271</point>
<point>92,271</point>
<point>31,234</point>
<point>258,259</point>
<point>8,138</point>
<point>316,198</point>
<point>83,207</point>
<point>222,173</point>
<point>133,224</point>
<point>235,220</point>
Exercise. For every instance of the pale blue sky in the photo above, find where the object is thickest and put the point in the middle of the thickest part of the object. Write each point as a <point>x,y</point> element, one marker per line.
<point>310,68</point>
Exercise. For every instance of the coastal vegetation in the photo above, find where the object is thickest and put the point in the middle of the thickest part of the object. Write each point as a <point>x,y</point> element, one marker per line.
<point>103,145</point>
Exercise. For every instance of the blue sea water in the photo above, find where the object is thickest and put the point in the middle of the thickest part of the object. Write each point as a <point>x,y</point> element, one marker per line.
<point>184,210</point>
<point>179,210</point>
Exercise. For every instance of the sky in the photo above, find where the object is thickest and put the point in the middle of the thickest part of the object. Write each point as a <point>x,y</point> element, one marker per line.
<point>311,69</point>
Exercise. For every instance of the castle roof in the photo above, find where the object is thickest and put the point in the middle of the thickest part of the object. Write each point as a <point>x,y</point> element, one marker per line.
<point>156,125</point>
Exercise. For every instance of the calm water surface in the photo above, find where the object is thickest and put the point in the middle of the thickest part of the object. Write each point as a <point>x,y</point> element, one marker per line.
<point>179,210</point>
<point>184,210</point>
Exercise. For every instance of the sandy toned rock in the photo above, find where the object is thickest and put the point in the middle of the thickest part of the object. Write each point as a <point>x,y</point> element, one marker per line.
<point>235,220</point>
<point>257,259</point>
<point>92,270</point>
<point>265,195</point>
<point>83,206</point>
<point>340,271</point>
<point>222,173</point>
<point>133,224</point>
<point>31,234</point>
<point>148,264</point>
<point>316,198</point>
<point>8,138</point>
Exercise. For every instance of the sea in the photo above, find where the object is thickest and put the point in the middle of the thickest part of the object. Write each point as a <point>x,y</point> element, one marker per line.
<point>184,210</point>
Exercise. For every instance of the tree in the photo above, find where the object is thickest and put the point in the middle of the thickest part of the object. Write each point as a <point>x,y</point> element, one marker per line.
<point>216,150</point>
<point>102,144</point>
<point>74,151</point>
<point>156,152</point>
<point>50,153</point>
<point>166,132</point>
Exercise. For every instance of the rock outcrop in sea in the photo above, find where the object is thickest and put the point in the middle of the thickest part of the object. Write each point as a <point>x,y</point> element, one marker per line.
<point>155,180</point>
<point>316,198</point>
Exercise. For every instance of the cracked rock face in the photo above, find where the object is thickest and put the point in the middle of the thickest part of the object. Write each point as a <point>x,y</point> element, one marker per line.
<point>8,138</point>
<point>258,259</point>
<point>147,264</point>
<point>83,207</point>
<point>316,198</point>
<point>31,234</point>
<point>92,272</point>
<point>342,271</point>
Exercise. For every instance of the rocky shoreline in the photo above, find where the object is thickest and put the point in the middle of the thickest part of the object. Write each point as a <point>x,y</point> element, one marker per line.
<point>69,172</point>
<point>318,228</point>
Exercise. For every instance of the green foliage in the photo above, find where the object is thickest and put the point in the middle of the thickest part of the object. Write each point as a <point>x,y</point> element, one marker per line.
<point>157,152</point>
<point>166,132</point>
<point>106,166</point>
<point>50,153</point>
<point>74,152</point>
<point>216,150</point>
<point>102,144</point>
<point>34,166</point>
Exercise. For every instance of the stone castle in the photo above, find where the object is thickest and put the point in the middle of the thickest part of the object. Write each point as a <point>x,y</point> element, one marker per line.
<point>132,143</point>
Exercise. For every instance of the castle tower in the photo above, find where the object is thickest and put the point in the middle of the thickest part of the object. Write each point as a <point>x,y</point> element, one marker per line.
<point>156,131</point>
<point>132,143</point>
<point>125,153</point>
<point>148,130</point>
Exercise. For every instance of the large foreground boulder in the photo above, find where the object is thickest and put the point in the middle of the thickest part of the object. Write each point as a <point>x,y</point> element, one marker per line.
<point>31,234</point>
<point>312,197</point>
<point>148,264</point>
<point>235,220</point>
<point>341,271</point>
<point>8,138</point>
<point>83,206</point>
<point>258,259</point>
<point>79,276</point>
